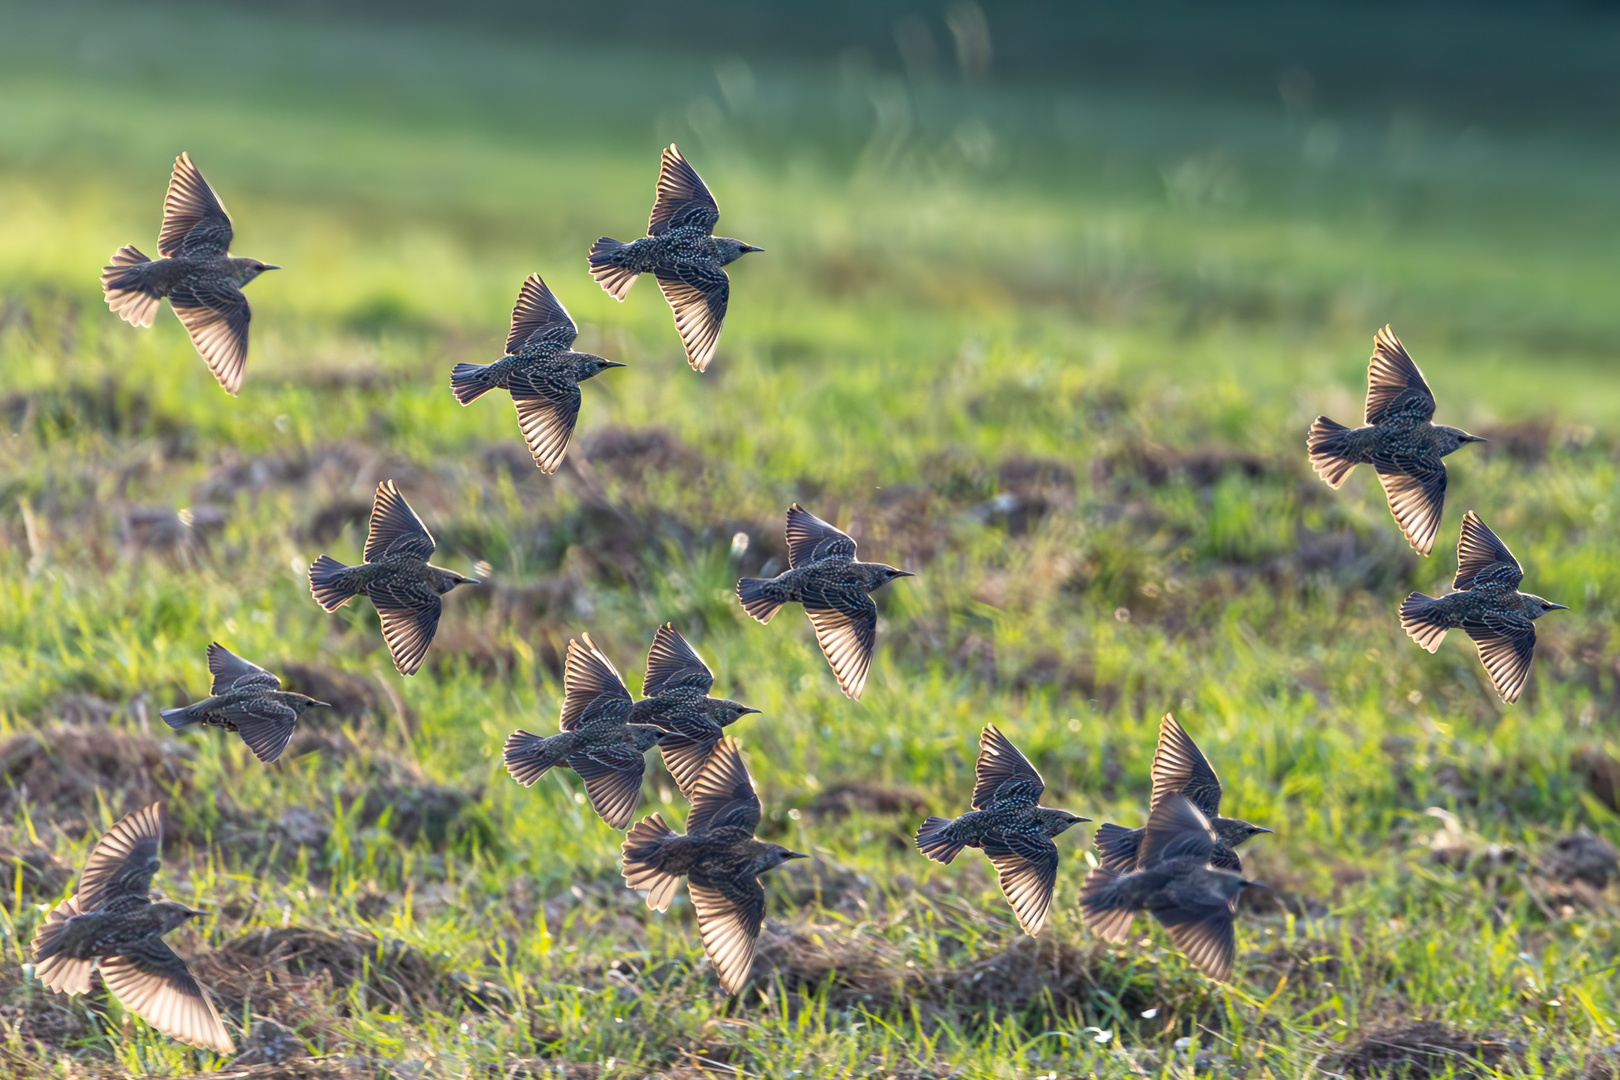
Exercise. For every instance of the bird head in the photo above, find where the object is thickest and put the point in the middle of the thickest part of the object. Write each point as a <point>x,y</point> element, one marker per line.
<point>775,855</point>
<point>646,736</point>
<point>300,702</point>
<point>1536,607</point>
<point>1059,821</point>
<point>172,913</point>
<point>445,580</point>
<point>887,574</point>
<point>729,712</point>
<point>1234,832</point>
<point>732,250</point>
<point>248,269</point>
<point>1456,437</point>
<point>589,365</point>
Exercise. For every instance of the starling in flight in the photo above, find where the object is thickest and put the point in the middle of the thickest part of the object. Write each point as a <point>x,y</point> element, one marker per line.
<point>1178,768</point>
<point>823,575</point>
<point>676,699</point>
<point>599,739</point>
<point>1399,442</point>
<point>719,858</point>
<point>540,370</point>
<point>681,250</point>
<point>110,923</point>
<point>1177,885</point>
<point>248,700</point>
<point>396,576</point>
<point>195,271</point>
<point>1487,606</point>
<point>1008,823</point>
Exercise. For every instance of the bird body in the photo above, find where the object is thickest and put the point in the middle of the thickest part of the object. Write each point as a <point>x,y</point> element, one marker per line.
<point>1400,442</point>
<point>196,271</point>
<point>396,577</point>
<point>835,589</point>
<point>248,700</point>
<point>1487,606</point>
<point>1009,825</point>
<point>540,370</point>
<point>681,250</point>
<point>676,688</point>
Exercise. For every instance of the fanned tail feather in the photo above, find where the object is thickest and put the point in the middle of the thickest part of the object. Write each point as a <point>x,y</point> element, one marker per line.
<point>62,974</point>
<point>469,382</point>
<point>1423,620</point>
<point>757,598</point>
<point>328,583</point>
<point>1118,846</point>
<point>128,288</point>
<point>1327,447</point>
<point>643,857</point>
<point>614,279</point>
<point>934,843</point>
<point>179,718</point>
<point>1103,906</point>
<point>528,757</point>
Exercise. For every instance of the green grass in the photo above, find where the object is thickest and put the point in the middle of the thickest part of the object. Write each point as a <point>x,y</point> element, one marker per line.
<point>1122,310</point>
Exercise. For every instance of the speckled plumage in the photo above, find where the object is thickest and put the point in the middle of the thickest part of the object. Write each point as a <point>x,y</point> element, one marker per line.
<point>1400,442</point>
<point>396,576</point>
<point>248,700</point>
<point>1009,825</point>
<point>835,590</point>
<point>1487,606</point>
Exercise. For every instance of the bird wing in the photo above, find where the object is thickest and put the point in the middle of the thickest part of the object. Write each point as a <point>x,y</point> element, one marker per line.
<point>673,665</point>
<point>410,618</point>
<point>1203,933</point>
<point>1106,918</point>
<point>685,755</point>
<point>683,198</point>
<point>231,672</point>
<point>1482,559</point>
<point>846,630</point>
<point>1175,829</point>
<point>152,982</point>
<point>612,776</point>
<point>723,794</point>
<point>216,315</point>
<point>547,410</point>
<point>1180,767</point>
<point>265,725</point>
<point>999,762</point>
<point>124,861</point>
<point>194,220</point>
<point>1395,386</point>
<point>1027,866</point>
<point>395,528</point>
<point>809,539</point>
<point>1417,496</point>
<point>1507,642</point>
<point>588,677</point>
<point>698,294</point>
<point>538,318</point>
<point>729,915</point>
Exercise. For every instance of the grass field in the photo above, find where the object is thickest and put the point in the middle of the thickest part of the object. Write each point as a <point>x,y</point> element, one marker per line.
<point>1055,348</point>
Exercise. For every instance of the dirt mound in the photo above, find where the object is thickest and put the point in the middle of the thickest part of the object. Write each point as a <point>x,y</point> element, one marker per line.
<point>1582,857</point>
<point>1423,1048</point>
<point>44,876</point>
<point>62,768</point>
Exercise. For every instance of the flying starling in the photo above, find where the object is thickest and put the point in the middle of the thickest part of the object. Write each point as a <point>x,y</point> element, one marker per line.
<point>110,923</point>
<point>1008,823</point>
<point>1179,768</point>
<point>1399,442</point>
<point>196,272</point>
<point>248,700</point>
<point>396,576</point>
<point>681,250</point>
<point>540,370</point>
<point>1178,886</point>
<point>599,740</point>
<point>1487,606</point>
<point>719,858</point>
<point>676,689</point>
<point>835,590</point>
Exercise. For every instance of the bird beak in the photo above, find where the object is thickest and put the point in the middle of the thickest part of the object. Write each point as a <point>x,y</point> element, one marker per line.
<point>320,704</point>
<point>904,573</point>
<point>1261,828</point>
<point>744,710</point>
<point>750,247</point>
<point>613,363</point>
<point>1256,885</point>
<point>198,913</point>
<point>467,580</point>
<point>796,855</point>
<point>1557,607</point>
<point>1475,438</point>
<point>267,266</point>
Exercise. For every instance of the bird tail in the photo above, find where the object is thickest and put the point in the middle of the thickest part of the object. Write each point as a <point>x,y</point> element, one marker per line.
<point>760,597</point>
<point>1330,451</point>
<point>615,278</point>
<point>1118,846</point>
<point>934,842</point>
<point>644,858</point>
<point>1424,620</point>
<point>471,381</point>
<point>330,584</point>
<point>128,287</point>
<point>184,716</point>
<point>1104,905</point>
<point>63,974</point>
<point>528,757</point>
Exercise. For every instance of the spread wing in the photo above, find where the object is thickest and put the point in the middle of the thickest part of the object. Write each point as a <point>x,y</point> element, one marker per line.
<point>232,672</point>
<point>124,861</point>
<point>1027,866</point>
<point>1482,559</point>
<point>194,220</point>
<point>265,725</point>
<point>1176,829</point>
<point>846,630</point>
<point>547,410</point>
<point>999,762</point>
<point>410,618</point>
<point>685,755</point>
<point>612,776</point>
<point>216,315</point>
<point>683,198</point>
<point>1506,643</point>
<point>539,318</point>
<point>152,982</point>
<point>729,915</point>
<point>698,294</point>
<point>1417,496</point>
<point>723,794</point>
<point>1180,767</point>
<point>672,665</point>
<point>809,539</point>
<point>1204,935</point>
<point>588,677</point>
<point>395,528</point>
<point>1395,387</point>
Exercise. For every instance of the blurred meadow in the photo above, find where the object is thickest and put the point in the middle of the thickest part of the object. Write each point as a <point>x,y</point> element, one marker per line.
<point>1047,303</point>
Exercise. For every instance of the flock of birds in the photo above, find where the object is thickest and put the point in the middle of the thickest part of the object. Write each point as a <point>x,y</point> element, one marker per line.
<point>1181,866</point>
